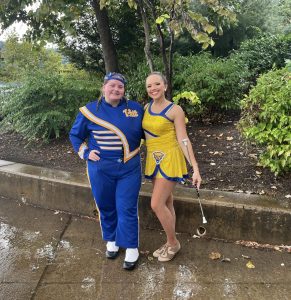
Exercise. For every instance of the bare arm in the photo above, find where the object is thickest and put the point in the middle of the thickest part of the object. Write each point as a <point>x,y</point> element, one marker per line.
<point>178,116</point>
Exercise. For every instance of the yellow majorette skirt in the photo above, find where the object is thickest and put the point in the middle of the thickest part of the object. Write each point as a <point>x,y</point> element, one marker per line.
<point>165,158</point>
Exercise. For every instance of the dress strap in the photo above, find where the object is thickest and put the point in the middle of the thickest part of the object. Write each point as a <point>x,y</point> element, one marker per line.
<point>146,106</point>
<point>163,112</point>
<point>168,108</point>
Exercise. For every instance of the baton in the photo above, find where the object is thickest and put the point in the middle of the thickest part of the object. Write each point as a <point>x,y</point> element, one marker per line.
<point>201,230</point>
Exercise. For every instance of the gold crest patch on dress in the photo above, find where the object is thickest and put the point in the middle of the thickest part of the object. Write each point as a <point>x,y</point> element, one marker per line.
<point>158,156</point>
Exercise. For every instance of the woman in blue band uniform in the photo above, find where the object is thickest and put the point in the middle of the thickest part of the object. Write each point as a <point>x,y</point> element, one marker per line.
<point>107,134</point>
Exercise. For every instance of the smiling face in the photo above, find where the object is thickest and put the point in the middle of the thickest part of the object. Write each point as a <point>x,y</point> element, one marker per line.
<point>156,87</point>
<point>113,91</point>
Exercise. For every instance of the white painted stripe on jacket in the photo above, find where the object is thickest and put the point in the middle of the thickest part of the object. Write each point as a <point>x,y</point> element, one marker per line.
<point>109,143</point>
<point>113,137</point>
<point>110,148</point>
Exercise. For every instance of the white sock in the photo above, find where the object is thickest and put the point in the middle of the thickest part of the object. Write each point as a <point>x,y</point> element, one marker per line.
<point>131,254</point>
<point>112,247</point>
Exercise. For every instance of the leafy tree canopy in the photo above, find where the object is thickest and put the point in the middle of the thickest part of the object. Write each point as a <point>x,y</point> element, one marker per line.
<point>73,26</point>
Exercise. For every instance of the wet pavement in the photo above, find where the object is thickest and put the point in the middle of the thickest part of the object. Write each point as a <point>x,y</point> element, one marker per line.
<point>47,254</point>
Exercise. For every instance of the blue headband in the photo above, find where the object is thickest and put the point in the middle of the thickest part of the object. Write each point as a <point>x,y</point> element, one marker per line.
<point>115,76</point>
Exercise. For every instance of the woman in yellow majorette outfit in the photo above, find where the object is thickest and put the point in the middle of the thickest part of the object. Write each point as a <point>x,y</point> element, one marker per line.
<point>167,143</point>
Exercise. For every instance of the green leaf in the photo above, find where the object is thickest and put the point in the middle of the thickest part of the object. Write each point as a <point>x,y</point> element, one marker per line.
<point>162,18</point>
<point>205,46</point>
<point>132,4</point>
<point>209,28</point>
<point>202,37</point>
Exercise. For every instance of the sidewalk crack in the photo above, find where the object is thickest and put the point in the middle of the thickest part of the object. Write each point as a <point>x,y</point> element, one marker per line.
<point>47,265</point>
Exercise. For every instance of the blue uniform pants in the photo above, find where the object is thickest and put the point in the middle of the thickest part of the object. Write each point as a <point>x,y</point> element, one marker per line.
<point>115,186</point>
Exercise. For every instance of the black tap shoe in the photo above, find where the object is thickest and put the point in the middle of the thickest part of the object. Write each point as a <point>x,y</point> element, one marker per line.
<point>129,265</point>
<point>111,254</point>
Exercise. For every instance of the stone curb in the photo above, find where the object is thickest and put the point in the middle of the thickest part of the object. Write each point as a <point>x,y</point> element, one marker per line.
<point>230,216</point>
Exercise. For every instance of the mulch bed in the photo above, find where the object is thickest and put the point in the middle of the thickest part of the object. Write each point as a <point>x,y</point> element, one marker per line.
<point>226,162</point>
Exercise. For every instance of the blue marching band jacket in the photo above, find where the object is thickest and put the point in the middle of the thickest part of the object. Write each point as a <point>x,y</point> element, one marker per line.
<point>115,132</point>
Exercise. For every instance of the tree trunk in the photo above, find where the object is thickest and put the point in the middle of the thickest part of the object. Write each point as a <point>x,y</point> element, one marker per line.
<point>146,27</point>
<point>163,51</point>
<point>170,86</point>
<point>172,38</point>
<point>108,47</point>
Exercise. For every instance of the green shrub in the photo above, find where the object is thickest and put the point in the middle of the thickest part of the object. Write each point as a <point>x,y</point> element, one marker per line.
<point>261,54</point>
<point>46,103</point>
<point>219,83</point>
<point>266,119</point>
<point>189,101</point>
<point>135,89</point>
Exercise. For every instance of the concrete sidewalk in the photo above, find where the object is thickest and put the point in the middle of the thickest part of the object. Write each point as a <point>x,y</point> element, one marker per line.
<point>46,254</point>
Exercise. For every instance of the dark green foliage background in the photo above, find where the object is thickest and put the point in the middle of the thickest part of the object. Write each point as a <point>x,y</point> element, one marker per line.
<point>266,119</point>
<point>45,104</point>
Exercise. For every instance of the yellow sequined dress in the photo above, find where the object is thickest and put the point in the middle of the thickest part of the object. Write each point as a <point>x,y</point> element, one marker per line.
<point>165,158</point>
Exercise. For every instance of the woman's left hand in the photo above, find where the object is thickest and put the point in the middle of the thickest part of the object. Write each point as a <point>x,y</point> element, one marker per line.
<point>196,179</point>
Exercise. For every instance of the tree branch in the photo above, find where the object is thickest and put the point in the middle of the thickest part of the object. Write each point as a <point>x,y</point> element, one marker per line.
<point>147,35</point>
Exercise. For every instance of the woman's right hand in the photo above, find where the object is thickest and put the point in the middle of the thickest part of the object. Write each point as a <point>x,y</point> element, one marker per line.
<point>93,155</point>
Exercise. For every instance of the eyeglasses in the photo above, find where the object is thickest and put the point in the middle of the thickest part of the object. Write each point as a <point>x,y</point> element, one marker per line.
<point>116,76</point>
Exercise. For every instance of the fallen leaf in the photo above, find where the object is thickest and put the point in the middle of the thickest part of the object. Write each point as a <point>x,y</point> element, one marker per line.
<point>262,192</point>
<point>196,236</point>
<point>226,259</point>
<point>258,172</point>
<point>230,188</point>
<point>239,191</point>
<point>273,187</point>
<point>212,164</point>
<point>245,256</point>
<point>277,248</point>
<point>229,138</point>
<point>287,196</point>
<point>250,265</point>
<point>214,255</point>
